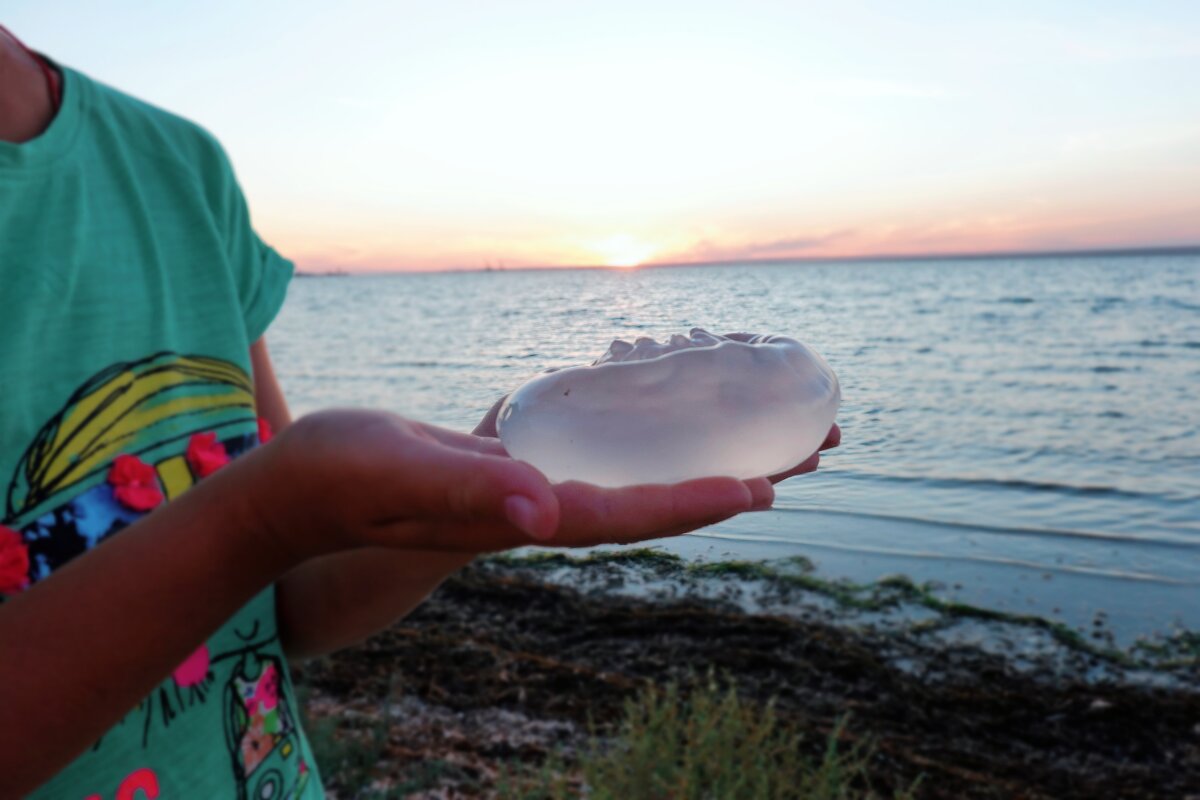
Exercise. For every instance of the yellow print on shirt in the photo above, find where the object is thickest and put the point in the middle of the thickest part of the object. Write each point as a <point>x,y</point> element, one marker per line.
<point>144,408</point>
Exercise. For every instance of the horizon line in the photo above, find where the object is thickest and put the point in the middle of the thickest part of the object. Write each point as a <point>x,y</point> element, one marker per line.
<point>1117,252</point>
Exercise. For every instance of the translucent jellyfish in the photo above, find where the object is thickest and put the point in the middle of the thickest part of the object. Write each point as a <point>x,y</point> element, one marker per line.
<point>690,407</point>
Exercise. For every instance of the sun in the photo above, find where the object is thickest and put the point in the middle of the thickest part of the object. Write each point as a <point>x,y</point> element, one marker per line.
<point>622,250</point>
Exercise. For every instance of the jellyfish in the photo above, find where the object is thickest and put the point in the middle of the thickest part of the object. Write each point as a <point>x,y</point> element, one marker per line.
<point>694,406</point>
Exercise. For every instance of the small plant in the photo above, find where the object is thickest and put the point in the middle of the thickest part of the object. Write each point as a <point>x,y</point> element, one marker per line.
<point>710,745</point>
<point>347,751</point>
<point>347,757</point>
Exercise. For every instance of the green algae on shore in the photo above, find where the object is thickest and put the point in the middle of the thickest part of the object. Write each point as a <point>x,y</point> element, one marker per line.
<point>1176,652</point>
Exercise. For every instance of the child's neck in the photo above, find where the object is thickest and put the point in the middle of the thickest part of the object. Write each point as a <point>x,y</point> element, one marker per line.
<point>26,106</point>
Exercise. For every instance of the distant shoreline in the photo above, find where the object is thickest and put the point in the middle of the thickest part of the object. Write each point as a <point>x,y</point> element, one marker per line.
<point>1120,252</point>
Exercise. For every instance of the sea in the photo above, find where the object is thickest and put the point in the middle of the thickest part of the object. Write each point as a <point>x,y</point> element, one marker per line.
<point>1022,434</point>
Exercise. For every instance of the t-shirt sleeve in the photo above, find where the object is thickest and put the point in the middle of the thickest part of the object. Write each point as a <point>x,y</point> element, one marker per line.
<point>263,286</point>
<point>260,274</point>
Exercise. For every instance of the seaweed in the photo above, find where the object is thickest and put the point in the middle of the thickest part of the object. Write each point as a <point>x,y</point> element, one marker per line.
<point>1179,651</point>
<point>500,668</point>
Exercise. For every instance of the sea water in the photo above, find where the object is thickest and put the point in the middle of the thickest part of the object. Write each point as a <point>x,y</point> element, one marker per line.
<point>1024,432</point>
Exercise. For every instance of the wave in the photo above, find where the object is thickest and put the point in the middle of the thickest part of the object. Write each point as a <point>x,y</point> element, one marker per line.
<point>1182,542</point>
<point>430,364</point>
<point>1175,302</point>
<point>947,482</point>
<point>1095,572</point>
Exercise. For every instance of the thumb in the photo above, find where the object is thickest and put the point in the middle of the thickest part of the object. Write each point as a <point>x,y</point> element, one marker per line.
<point>469,486</point>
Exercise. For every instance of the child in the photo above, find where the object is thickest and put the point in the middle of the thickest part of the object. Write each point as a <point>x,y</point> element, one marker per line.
<point>138,399</point>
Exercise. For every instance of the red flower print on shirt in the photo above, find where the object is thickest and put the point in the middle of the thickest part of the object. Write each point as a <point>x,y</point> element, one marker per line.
<point>14,561</point>
<point>205,454</point>
<point>264,431</point>
<point>194,668</point>
<point>141,784</point>
<point>135,483</point>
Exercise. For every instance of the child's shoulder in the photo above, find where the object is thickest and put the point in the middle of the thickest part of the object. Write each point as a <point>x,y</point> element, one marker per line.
<point>150,130</point>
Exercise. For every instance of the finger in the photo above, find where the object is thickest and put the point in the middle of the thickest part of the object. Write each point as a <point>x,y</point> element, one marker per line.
<point>490,536</point>
<point>450,484</point>
<point>740,337</point>
<point>591,514</point>
<point>809,464</point>
<point>833,439</point>
<point>487,425</point>
<point>761,490</point>
<point>466,441</point>
<point>441,535</point>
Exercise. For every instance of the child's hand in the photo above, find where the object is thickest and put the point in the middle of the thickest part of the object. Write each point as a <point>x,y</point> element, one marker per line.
<point>345,479</point>
<point>832,440</point>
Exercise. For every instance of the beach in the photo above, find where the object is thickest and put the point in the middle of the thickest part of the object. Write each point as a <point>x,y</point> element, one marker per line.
<point>989,587</point>
<point>499,672</point>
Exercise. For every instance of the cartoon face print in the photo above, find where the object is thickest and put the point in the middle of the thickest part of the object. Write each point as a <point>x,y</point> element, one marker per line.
<point>263,738</point>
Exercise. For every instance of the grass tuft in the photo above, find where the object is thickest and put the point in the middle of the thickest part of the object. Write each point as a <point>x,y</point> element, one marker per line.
<point>347,757</point>
<point>705,744</point>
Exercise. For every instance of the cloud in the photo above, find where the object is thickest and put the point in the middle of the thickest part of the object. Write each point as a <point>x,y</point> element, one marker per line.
<point>707,250</point>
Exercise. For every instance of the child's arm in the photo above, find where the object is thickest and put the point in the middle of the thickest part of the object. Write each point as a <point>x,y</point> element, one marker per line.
<point>81,648</point>
<point>332,602</point>
<point>336,601</point>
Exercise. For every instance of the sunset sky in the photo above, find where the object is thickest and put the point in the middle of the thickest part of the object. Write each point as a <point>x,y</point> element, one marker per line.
<point>457,134</point>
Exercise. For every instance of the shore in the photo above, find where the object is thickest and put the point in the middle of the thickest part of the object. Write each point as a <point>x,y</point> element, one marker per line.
<point>500,670</point>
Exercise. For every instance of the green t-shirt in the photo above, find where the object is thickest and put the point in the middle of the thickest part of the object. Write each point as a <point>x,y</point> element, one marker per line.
<point>131,288</point>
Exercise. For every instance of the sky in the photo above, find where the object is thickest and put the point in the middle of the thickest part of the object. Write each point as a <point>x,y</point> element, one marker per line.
<point>455,134</point>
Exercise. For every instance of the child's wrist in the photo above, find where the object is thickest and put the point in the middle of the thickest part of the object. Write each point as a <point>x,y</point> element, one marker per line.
<point>287,510</point>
